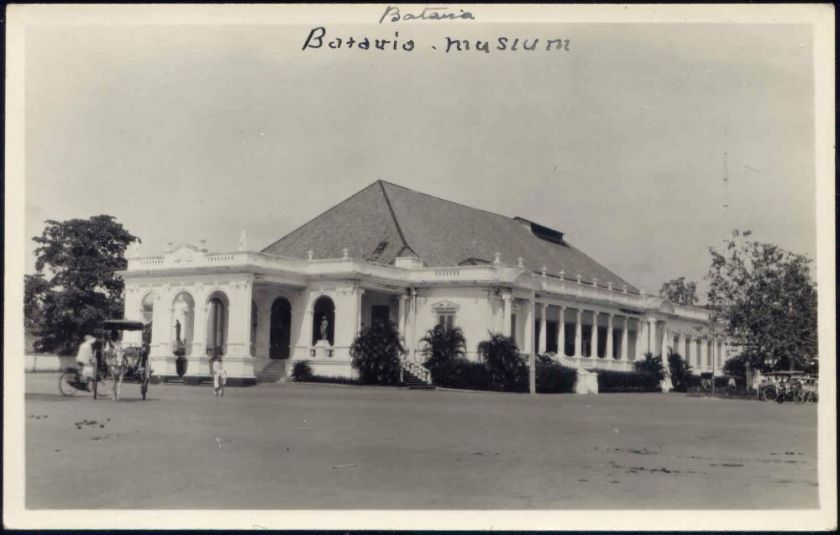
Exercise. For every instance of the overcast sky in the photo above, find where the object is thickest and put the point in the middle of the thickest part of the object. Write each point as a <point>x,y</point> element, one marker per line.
<point>196,132</point>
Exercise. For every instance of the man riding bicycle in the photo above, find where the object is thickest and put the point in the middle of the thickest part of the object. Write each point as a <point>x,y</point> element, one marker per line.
<point>86,359</point>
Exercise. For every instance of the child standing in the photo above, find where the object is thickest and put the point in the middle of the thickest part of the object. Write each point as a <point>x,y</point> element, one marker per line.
<point>219,376</point>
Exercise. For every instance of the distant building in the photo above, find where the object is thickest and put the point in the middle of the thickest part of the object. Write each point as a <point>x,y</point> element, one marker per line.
<point>389,253</point>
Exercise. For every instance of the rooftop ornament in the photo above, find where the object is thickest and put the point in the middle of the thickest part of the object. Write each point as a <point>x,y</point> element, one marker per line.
<point>520,262</point>
<point>562,275</point>
<point>578,278</point>
<point>310,255</point>
<point>346,254</point>
<point>595,281</point>
<point>609,286</point>
<point>203,245</point>
<point>624,288</point>
<point>498,259</point>
<point>543,271</point>
<point>242,244</point>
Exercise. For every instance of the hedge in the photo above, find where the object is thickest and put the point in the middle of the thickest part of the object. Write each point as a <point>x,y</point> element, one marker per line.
<point>552,378</point>
<point>611,381</point>
<point>462,373</point>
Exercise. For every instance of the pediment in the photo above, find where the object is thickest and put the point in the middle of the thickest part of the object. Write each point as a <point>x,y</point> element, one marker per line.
<point>183,254</point>
<point>445,305</point>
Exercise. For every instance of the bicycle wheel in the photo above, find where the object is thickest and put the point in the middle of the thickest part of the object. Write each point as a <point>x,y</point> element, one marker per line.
<point>66,384</point>
<point>769,394</point>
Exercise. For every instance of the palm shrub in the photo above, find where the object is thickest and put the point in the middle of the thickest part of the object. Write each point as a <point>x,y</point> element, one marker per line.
<point>302,371</point>
<point>507,368</point>
<point>680,371</point>
<point>440,346</point>
<point>376,354</point>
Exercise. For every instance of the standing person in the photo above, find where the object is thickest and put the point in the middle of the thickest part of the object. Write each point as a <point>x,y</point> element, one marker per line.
<point>86,359</point>
<point>219,376</point>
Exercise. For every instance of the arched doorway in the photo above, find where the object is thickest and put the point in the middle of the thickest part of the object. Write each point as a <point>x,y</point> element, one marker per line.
<point>217,322</point>
<point>324,309</point>
<point>280,331</point>
<point>183,321</point>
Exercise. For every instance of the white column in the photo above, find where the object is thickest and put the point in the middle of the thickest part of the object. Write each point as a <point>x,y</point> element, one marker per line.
<point>609,353</point>
<point>238,360</point>
<point>579,333</point>
<point>624,335</point>
<point>506,317</point>
<point>528,338</point>
<point>543,327</point>
<point>704,353</point>
<point>651,338</point>
<point>359,312</point>
<point>401,318</point>
<point>160,351</point>
<point>411,342</point>
<point>641,338</point>
<point>305,341</point>
<point>561,331</point>
<point>687,346</point>
<point>593,338</point>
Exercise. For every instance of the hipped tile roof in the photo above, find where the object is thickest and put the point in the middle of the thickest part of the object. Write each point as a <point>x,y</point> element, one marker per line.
<point>384,221</point>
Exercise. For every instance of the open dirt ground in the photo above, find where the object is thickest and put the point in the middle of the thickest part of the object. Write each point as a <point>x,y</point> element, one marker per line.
<point>310,446</point>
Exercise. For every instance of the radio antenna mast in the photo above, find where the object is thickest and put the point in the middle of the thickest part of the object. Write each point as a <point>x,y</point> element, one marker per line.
<point>726,228</point>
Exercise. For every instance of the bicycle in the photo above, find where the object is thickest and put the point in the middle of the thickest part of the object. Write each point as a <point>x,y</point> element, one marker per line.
<point>71,381</point>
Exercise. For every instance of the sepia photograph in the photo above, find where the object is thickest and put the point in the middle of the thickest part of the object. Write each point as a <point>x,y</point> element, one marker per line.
<point>415,266</point>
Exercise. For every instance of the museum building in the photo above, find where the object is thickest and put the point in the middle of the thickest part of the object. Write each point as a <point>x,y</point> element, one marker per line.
<point>389,253</point>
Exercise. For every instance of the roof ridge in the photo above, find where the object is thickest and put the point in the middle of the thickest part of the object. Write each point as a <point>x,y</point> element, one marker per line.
<point>444,200</point>
<point>331,208</point>
<point>394,215</point>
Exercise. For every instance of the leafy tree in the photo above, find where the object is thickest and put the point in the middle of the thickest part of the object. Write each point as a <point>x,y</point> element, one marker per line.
<point>376,354</point>
<point>680,371</point>
<point>81,258</point>
<point>35,290</point>
<point>767,301</point>
<point>507,368</point>
<point>651,365</point>
<point>679,291</point>
<point>440,347</point>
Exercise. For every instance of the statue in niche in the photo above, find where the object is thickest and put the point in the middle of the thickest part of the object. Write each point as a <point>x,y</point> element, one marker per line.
<point>324,327</point>
<point>177,331</point>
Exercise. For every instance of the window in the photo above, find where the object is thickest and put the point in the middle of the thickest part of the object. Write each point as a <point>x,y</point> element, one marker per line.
<point>446,318</point>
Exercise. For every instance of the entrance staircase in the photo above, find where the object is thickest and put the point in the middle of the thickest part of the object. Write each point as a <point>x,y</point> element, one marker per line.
<point>415,376</point>
<point>274,372</point>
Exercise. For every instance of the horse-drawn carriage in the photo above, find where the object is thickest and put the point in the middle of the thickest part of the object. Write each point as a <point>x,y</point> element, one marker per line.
<point>115,363</point>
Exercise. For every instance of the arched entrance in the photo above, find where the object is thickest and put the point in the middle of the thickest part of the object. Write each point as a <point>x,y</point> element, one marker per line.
<point>280,331</point>
<point>324,309</point>
<point>183,320</point>
<point>217,322</point>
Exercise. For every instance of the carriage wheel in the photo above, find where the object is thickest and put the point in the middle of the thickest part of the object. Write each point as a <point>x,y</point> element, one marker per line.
<point>66,382</point>
<point>770,394</point>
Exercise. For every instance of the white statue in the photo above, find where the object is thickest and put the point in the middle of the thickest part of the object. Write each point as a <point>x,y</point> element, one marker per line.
<point>243,241</point>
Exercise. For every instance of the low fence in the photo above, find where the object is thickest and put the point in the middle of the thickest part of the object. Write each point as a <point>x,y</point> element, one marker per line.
<point>47,363</point>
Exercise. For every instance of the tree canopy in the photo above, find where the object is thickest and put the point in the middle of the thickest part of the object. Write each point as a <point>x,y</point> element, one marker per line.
<point>767,300</point>
<point>679,291</point>
<point>76,286</point>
